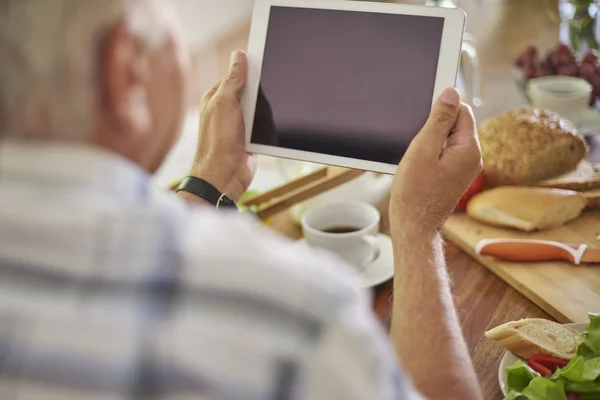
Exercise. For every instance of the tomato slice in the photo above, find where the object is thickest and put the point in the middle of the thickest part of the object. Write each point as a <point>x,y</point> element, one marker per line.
<point>475,187</point>
<point>546,365</point>
<point>539,368</point>
<point>550,361</point>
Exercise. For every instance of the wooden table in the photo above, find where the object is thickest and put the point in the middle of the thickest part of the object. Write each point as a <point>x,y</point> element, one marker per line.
<point>482,299</point>
<point>502,29</point>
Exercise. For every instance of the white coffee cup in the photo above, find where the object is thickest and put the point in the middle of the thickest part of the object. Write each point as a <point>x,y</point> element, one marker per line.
<point>566,95</point>
<point>346,228</point>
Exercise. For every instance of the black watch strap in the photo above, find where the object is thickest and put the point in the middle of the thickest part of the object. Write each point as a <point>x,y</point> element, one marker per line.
<point>205,190</point>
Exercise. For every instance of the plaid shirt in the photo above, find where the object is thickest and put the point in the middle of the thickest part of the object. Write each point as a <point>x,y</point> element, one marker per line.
<point>112,289</point>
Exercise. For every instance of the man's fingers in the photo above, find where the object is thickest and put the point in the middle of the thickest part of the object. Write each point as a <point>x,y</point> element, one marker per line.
<point>462,148</point>
<point>442,119</point>
<point>210,93</point>
<point>464,131</point>
<point>233,84</point>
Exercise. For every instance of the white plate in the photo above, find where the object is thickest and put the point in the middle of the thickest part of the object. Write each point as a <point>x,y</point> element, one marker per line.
<point>509,358</point>
<point>381,269</point>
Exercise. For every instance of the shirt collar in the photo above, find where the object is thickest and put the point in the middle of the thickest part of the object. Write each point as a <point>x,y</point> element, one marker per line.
<point>83,166</point>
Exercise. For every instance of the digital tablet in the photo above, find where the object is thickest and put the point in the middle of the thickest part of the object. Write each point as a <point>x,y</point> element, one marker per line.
<point>346,83</point>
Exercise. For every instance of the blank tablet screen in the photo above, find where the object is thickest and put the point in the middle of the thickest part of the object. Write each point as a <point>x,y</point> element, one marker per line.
<point>346,83</point>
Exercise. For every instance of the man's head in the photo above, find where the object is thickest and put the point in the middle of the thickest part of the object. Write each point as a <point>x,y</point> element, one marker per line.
<point>107,72</point>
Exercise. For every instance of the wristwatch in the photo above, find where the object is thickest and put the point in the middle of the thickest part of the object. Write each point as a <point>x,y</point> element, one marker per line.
<point>206,191</point>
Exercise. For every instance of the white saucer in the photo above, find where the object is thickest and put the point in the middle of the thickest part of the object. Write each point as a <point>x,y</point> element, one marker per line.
<point>381,269</point>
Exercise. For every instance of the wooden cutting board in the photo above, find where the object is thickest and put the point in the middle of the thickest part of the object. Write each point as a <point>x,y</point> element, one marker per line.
<point>565,291</point>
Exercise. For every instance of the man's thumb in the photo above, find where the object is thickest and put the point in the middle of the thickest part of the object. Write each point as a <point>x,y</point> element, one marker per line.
<point>235,80</point>
<point>441,119</point>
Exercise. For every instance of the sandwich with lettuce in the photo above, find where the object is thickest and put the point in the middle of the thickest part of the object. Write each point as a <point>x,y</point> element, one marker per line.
<point>558,363</point>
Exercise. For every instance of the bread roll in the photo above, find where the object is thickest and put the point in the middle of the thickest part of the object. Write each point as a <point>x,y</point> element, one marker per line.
<point>593,199</point>
<point>526,208</point>
<point>525,146</point>
<point>532,336</point>
<point>585,177</point>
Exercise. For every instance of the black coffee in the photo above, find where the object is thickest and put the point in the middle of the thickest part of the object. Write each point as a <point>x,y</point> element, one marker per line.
<point>341,229</point>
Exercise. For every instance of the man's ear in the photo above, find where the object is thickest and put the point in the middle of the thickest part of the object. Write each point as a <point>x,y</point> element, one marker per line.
<point>123,78</point>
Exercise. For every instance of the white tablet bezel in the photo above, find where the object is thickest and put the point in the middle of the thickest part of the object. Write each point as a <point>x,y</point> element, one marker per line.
<point>447,72</point>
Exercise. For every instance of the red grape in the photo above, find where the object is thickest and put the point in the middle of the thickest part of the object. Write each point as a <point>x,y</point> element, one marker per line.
<point>590,57</point>
<point>563,48</point>
<point>524,60</point>
<point>561,55</point>
<point>558,59</point>
<point>595,82</point>
<point>561,61</point>
<point>586,71</point>
<point>544,69</point>
<point>531,50</point>
<point>567,70</point>
<point>530,72</point>
<point>527,57</point>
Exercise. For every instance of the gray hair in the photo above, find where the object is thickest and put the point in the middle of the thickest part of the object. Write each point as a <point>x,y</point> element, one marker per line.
<point>49,60</point>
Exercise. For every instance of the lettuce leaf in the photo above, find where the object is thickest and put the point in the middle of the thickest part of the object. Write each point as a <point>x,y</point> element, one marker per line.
<point>591,369</point>
<point>572,372</point>
<point>580,375</point>
<point>514,395</point>
<point>588,396</point>
<point>519,376</point>
<point>579,370</point>
<point>583,387</point>
<point>584,351</point>
<point>540,389</point>
<point>592,335</point>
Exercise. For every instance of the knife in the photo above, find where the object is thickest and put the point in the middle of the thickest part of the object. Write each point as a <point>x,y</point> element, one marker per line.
<point>537,250</point>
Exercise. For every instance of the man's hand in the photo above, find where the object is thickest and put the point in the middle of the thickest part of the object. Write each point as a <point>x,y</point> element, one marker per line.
<point>431,178</point>
<point>221,157</point>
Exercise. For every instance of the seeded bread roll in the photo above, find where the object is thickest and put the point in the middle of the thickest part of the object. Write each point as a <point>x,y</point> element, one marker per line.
<point>526,146</point>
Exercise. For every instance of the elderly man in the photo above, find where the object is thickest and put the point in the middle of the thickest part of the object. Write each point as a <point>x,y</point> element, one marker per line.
<point>113,289</point>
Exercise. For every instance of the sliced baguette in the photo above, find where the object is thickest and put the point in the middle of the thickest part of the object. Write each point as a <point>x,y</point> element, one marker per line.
<point>526,208</point>
<point>593,199</point>
<point>532,336</point>
<point>585,177</point>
